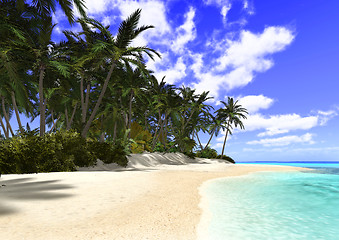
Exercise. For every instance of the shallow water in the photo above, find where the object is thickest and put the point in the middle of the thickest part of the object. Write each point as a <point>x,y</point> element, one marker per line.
<point>267,205</point>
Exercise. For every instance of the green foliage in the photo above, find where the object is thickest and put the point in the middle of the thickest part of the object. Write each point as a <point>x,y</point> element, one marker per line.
<point>190,154</point>
<point>185,144</point>
<point>109,153</point>
<point>60,151</point>
<point>227,158</point>
<point>207,153</point>
<point>159,147</point>
<point>142,139</point>
<point>29,153</point>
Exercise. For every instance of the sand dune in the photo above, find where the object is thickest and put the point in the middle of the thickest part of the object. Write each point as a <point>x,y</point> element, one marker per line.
<point>155,197</point>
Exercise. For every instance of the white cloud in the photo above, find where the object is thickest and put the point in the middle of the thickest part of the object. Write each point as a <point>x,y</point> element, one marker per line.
<point>253,103</point>
<point>177,72</point>
<point>185,33</point>
<point>284,123</point>
<point>224,11</point>
<point>283,141</point>
<point>248,7</point>
<point>298,150</point>
<point>153,13</point>
<point>241,59</point>
<point>278,124</point>
<point>106,21</point>
<point>97,6</point>
<point>325,116</point>
<point>251,49</point>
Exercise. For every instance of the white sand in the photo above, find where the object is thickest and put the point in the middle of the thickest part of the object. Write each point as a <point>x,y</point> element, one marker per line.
<point>156,197</point>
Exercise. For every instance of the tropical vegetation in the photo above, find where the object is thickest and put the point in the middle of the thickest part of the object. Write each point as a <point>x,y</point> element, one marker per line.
<point>94,93</point>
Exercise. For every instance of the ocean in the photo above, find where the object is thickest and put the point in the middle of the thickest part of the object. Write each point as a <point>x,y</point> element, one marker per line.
<point>276,205</point>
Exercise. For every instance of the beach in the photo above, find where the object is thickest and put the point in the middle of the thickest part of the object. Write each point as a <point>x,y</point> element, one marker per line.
<point>157,201</point>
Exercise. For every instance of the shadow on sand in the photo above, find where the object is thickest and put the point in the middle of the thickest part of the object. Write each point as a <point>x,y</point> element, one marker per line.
<point>26,189</point>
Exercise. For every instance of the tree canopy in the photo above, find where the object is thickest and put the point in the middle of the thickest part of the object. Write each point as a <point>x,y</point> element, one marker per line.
<point>97,83</point>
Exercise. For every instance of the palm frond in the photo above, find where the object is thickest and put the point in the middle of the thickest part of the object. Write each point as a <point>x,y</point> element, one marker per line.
<point>62,67</point>
<point>126,31</point>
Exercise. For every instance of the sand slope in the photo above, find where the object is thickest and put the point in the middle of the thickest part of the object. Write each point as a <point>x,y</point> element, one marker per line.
<point>156,199</point>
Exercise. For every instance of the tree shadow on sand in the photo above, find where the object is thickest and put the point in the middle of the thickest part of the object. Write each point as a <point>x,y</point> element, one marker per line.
<point>26,189</point>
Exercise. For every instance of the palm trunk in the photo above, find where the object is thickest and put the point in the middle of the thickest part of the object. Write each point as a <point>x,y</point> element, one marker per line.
<point>6,116</point>
<point>52,115</point>
<point>115,132</point>
<point>156,130</point>
<point>196,134</point>
<point>41,101</point>
<point>227,130</point>
<point>130,114</point>
<point>72,117</point>
<point>86,103</point>
<point>189,119</point>
<point>145,114</point>
<point>82,100</point>
<point>54,124</point>
<point>209,140</point>
<point>17,113</point>
<point>102,135</point>
<point>164,135</point>
<point>66,116</point>
<point>161,129</point>
<point>96,108</point>
<point>3,127</point>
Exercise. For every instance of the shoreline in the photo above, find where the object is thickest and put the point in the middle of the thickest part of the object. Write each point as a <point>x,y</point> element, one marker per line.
<point>156,203</point>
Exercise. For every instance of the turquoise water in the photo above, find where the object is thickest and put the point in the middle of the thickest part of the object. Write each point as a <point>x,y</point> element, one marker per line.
<point>267,205</point>
<point>300,164</point>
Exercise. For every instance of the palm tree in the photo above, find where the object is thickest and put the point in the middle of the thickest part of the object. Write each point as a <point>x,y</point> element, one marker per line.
<point>114,50</point>
<point>231,115</point>
<point>46,7</point>
<point>15,82</point>
<point>47,61</point>
<point>213,129</point>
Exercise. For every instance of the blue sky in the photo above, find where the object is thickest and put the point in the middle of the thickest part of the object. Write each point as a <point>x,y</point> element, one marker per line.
<point>279,58</point>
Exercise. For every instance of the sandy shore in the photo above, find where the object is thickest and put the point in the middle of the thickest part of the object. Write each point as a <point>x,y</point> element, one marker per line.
<point>148,203</point>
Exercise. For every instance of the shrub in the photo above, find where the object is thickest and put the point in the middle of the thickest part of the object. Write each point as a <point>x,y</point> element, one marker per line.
<point>227,158</point>
<point>109,153</point>
<point>60,151</point>
<point>159,147</point>
<point>190,154</point>
<point>207,153</point>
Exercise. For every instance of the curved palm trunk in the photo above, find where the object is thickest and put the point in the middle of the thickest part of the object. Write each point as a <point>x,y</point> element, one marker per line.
<point>164,135</point>
<point>6,116</point>
<point>17,112</point>
<point>41,101</point>
<point>188,120</point>
<point>209,140</point>
<point>72,117</point>
<point>227,130</point>
<point>196,134</point>
<point>96,108</point>
<point>3,127</point>
<point>54,124</point>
